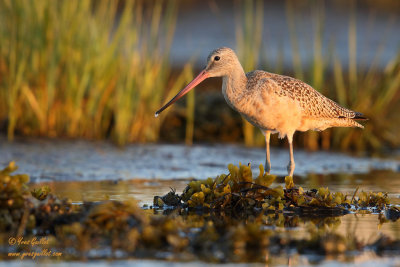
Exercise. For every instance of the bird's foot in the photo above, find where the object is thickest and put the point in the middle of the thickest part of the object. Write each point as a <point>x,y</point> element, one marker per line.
<point>290,168</point>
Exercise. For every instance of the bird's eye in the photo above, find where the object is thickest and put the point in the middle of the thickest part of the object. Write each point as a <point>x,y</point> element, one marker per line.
<point>216,58</point>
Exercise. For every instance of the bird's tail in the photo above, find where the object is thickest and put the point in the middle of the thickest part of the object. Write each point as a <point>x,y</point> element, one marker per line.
<point>356,124</point>
<point>347,122</point>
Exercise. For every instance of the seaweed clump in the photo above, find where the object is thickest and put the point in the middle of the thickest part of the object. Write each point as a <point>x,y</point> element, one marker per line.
<point>24,212</point>
<point>104,226</point>
<point>239,191</point>
<point>14,199</point>
<point>122,226</point>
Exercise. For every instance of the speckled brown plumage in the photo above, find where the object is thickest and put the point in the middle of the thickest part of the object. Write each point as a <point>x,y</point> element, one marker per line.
<point>313,103</point>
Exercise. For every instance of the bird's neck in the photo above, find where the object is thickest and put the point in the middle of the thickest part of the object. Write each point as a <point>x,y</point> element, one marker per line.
<point>234,86</point>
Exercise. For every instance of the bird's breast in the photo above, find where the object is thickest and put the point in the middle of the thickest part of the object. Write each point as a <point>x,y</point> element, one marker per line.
<point>264,108</point>
<point>271,112</point>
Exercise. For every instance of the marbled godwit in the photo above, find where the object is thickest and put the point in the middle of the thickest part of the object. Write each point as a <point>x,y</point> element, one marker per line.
<point>274,103</point>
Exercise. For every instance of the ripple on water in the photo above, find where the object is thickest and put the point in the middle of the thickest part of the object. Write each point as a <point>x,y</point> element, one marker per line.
<point>87,161</point>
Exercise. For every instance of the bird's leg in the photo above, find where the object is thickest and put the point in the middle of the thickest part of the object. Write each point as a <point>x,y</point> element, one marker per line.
<point>291,165</point>
<point>267,160</point>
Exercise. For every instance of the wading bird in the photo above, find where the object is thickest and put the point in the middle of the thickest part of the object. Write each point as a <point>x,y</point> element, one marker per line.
<point>274,103</point>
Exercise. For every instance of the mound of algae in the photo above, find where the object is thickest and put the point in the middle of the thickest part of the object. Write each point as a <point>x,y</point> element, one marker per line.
<point>241,192</point>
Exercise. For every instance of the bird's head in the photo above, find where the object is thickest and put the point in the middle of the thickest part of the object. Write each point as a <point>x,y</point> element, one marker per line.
<point>220,62</point>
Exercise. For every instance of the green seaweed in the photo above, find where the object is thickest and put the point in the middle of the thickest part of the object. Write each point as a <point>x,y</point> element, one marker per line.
<point>41,193</point>
<point>238,191</point>
<point>14,202</point>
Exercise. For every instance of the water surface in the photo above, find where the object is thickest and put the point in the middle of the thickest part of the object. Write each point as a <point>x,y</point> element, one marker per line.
<point>60,160</point>
<point>90,171</point>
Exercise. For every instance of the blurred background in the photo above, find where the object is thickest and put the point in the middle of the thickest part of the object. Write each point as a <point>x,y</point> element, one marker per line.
<point>99,69</point>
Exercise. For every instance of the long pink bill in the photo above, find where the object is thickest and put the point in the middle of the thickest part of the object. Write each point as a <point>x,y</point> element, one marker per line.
<point>201,77</point>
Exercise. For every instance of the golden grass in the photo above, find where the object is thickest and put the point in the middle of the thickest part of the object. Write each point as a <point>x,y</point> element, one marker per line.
<point>88,69</point>
<point>249,30</point>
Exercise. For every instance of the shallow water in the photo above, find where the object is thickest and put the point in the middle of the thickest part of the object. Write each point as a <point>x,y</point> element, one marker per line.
<point>46,160</point>
<point>365,225</point>
<point>145,189</point>
<point>87,171</point>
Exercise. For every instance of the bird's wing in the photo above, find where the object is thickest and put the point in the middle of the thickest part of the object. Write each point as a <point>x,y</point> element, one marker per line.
<point>313,103</point>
